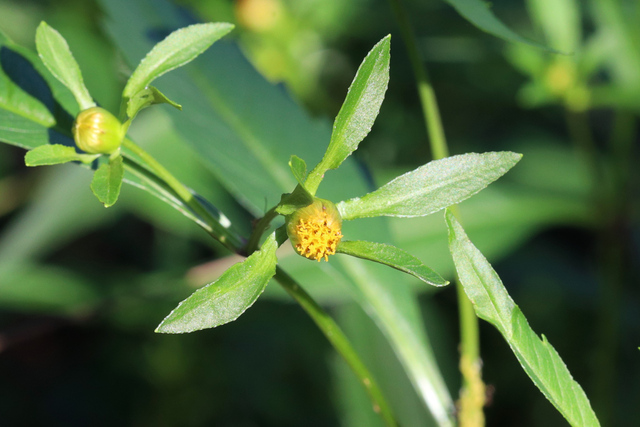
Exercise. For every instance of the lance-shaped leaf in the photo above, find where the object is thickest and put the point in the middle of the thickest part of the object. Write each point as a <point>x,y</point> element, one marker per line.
<point>56,55</point>
<point>358,112</point>
<point>431,187</point>
<point>224,300</point>
<point>537,357</point>
<point>147,97</point>
<point>179,48</point>
<point>107,181</point>
<point>53,154</point>
<point>393,257</point>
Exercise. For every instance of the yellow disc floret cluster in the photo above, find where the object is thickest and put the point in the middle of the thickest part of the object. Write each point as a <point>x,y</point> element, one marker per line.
<point>315,230</point>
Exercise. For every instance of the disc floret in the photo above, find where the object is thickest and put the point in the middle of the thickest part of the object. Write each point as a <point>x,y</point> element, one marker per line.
<point>315,230</point>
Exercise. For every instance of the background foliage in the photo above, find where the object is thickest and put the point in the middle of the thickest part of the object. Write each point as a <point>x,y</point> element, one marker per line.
<point>82,287</point>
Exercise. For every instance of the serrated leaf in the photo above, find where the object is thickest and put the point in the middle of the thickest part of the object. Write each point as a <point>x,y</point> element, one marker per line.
<point>107,181</point>
<point>538,358</point>
<point>432,187</point>
<point>298,168</point>
<point>393,257</point>
<point>53,154</point>
<point>57,57</point>
<point>179,48</point>
<point>358,112</point>
<point>145,98</point>
<point>478,12</point>
<point>224,300</point>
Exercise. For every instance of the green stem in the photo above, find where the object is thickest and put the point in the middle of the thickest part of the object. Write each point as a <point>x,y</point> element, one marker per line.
<point>229,239</point>
<point>472,395</point>
<point>339,341</point>
<point>259,229</point>
<point>433,122</point>
<point>326,324</point>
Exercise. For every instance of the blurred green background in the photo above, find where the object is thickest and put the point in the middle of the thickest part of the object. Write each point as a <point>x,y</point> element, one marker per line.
<point>83,287</point>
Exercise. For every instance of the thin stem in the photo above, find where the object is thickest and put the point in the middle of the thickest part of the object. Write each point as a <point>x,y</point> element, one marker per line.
<point>326,324</point>
<point>433,122</point>
<point>472,394</point>
<point>223,235</point>
<point>339,341</point>
<point>259,229</point>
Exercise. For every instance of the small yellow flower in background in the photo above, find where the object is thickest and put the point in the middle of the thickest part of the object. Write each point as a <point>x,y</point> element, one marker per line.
<point>315,230</point>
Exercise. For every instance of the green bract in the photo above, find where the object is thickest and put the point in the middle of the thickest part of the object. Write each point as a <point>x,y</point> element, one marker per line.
<point>97,131</point>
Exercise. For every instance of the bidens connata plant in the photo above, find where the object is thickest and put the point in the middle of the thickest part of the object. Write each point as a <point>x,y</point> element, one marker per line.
<point>312,224</point>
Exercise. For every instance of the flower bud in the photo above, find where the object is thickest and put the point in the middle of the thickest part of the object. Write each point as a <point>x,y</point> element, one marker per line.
<point>97,131</point>
<point>315,230</point>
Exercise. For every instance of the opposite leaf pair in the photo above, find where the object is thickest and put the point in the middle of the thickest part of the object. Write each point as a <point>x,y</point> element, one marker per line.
<point>314,225</point>
<point>96,131</point>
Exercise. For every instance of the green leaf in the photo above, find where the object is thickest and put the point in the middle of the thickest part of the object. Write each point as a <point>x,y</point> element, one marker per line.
<point>298,168</point>
<point>179,48</point>
<point>560,20</point>
<point>358,112</point>
<point>479,14</point>
<point>56,154</point>
<point>145,98</point>
<point>299,198</point>
<point>432,187</point>
<point>54,52</point>
<point>537,357</point>
<point>393,257</point>
<point>224,300</point>
<point>107,181</point>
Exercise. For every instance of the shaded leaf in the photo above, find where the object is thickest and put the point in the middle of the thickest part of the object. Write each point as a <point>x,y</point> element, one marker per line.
<point>54,52</point>
<point>179,48</point>
<point>358,112</point>
<point>224,300</point>
<point>432,187</point>
<point>107,181</point>
<point>478,12</point>
<point>55,154</point>
<point>538,358</point>
<point>393,257</point>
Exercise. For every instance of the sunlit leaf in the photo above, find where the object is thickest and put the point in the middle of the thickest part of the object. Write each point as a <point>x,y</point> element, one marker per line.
<point>393,257</point>
<point>54,52</point>
<point>298,168</point>
<point>53,154</point>
<point>432,187</point>
<point>178,49</point>
<point>358,112</point>
<point>107,181</point>
<point>224,300</point>
<point>538,358</point>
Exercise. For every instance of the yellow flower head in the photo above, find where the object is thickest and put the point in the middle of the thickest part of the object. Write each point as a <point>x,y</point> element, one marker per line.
<point>315,230</point>
<point>97,131</point>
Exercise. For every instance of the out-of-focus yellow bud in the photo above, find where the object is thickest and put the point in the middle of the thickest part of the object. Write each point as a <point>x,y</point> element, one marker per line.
<point>315,230</point>
<point>97,131</point>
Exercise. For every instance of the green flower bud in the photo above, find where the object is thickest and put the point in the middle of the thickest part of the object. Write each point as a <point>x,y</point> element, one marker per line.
<point>97,131</point>
<point>315,230</point>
